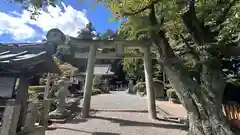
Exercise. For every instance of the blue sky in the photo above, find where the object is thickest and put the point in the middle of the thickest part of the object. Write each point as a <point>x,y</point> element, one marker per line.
<point>69,16</point>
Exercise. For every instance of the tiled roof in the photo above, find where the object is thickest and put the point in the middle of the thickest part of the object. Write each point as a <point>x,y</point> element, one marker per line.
<point>32,59</point>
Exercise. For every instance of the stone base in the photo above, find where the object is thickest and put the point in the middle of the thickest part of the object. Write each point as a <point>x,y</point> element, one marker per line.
<point>71,107</point>
<point>39,130</point>
<point>72,103</point>
<point>59,115</point>
<point>61,121</point>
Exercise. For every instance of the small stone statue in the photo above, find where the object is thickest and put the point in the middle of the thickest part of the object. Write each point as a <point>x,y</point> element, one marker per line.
<point>130,86</point>
<point>61,94</point>
<point>105,85</point>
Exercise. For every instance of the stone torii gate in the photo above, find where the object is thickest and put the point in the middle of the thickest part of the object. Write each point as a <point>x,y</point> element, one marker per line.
<point>73,46</point>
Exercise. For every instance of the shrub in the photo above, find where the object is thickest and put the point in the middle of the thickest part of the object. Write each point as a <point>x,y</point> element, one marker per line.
<point>96,92</point>
<point>34,91</point>
<point>171,93</point>
<point>42,81</point>
<point>37,88</point>
<point>140,87</point>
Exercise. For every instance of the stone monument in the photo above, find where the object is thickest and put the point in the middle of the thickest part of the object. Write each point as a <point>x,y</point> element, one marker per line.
<point>62,93</point>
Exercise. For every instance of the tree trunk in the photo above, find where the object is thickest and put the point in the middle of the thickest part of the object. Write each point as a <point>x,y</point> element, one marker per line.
<point>202,103</point>
<point>215,125</point>
<point>202,96</point>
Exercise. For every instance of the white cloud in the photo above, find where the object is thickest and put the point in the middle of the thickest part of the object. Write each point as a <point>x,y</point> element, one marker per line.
<point>39,41</point>
<point>67,19</point>
<point>15,26</point>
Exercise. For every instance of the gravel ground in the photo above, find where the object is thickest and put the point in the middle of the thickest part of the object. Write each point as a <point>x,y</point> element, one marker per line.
<point>118,113</point>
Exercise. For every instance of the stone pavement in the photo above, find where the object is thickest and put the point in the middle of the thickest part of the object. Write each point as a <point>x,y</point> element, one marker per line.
<point>176,110</point>
<point>118,113</point>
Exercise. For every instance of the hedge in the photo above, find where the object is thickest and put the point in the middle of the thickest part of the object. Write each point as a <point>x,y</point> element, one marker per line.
<point>96,92</point>
<point>37,88</point>
<point>171,93</point>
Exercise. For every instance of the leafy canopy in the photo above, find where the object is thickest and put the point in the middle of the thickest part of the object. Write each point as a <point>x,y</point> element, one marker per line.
<point>221,17</point>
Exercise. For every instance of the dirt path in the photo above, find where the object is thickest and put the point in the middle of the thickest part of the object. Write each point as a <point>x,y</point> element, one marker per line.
<point>118,114</point>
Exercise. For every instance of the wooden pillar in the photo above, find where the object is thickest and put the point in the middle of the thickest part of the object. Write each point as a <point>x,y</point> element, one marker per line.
<point>149,82</point>
<point>89,81</point>
<point>22,99</point>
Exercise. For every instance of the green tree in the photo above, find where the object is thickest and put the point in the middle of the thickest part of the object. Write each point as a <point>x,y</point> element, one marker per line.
<point>134,68</point>
<point>108,35</point>
<point>87,32</point>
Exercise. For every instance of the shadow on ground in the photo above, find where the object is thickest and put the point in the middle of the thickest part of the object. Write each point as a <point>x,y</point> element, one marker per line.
<point>120,110</point>
<point>76,117</point>
<point>123,122</point>
<point>104,133</point>
<point>92,133</point>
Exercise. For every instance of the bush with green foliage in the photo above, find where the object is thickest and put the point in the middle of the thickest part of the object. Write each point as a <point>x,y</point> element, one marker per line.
<point>171,93</point>
<point>37,88</point>
<point>96,92</point>
<point>33,92</point>
<point>42,81</point>
<point>140,87</point>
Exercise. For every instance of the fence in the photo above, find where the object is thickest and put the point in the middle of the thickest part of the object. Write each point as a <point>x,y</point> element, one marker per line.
<point>232,112</point>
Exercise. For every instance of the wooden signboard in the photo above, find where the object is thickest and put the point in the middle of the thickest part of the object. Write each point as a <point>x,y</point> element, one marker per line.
<point>7,85</point>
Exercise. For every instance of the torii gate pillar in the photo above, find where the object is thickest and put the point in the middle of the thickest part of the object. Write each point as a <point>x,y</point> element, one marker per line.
<point>149,82</point>
<point>89,81</point>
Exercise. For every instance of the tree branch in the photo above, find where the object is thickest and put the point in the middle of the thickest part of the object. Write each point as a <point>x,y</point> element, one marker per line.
<point>230,49</point>
<point>142,9</point>
<point>238,38</point>
<point>199,33</point>
<point>192,50</point>
<point>154,35</point>
<point>223,16</point>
